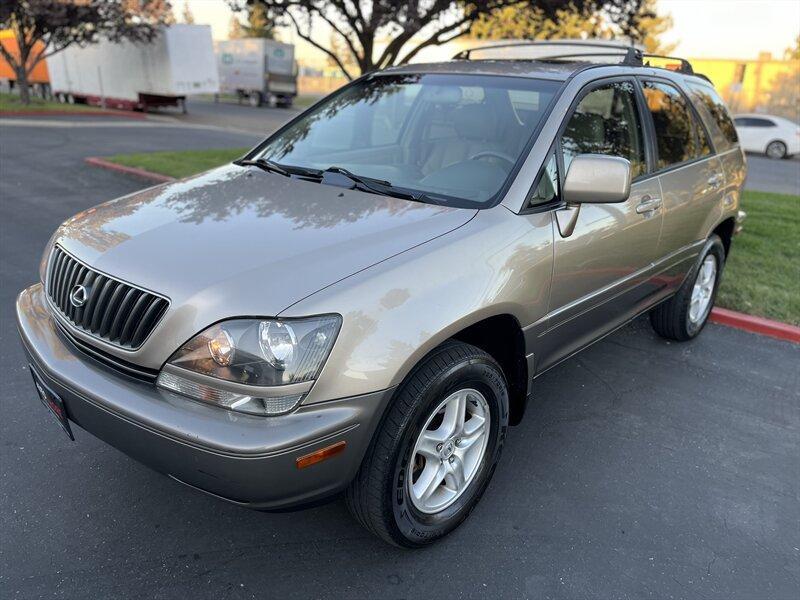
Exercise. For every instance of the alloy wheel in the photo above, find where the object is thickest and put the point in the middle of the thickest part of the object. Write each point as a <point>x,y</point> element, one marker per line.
<point>776,150</point>
<point>703,290</point>
<point>449,451</point>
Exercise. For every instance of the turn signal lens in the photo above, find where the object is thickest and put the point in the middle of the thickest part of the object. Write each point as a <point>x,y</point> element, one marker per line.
<point>221,348</point>
<point>268,407</point>
<point>320,455</point>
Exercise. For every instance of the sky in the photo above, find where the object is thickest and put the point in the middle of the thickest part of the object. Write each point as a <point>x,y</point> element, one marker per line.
<point>702,28</point>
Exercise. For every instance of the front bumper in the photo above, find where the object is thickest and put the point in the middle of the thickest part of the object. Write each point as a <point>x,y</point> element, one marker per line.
<point>245,459</point>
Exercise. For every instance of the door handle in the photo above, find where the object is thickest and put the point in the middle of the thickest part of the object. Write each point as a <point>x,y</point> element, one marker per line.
<point>715,181</point>
<point>648,204</point>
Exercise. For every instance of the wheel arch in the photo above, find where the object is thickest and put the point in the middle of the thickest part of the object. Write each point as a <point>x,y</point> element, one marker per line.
<point>725,230</point>
<point>500,335</point>
<point>502,338</point>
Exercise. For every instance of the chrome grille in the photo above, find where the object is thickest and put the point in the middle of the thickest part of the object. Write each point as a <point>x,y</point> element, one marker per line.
<point>104,307</point>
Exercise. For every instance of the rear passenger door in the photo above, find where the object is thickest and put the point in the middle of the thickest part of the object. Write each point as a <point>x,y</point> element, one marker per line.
<point>691,177</point>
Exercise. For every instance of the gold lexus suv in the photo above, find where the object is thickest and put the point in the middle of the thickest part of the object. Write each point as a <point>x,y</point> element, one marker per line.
<point>363,302</point>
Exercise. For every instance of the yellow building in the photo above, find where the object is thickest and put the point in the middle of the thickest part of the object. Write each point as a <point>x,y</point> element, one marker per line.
<point>745,84</point>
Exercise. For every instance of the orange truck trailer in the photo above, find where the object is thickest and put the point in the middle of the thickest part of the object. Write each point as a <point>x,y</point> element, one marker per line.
<point>39,76</point>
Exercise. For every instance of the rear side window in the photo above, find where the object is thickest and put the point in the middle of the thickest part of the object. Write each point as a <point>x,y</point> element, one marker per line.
<point>679,136</point>
<point>712,110</point>
<point>606,121</point>
<point>754,122</point>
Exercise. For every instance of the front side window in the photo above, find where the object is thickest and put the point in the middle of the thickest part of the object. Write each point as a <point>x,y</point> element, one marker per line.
<point>679,136</point>
<point>547,188</point>
<point>455,138</point>
<point>606,121</point>
<point>712,110</point>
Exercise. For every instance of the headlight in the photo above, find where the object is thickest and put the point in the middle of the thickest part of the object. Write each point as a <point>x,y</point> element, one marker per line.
<point>240,364</point>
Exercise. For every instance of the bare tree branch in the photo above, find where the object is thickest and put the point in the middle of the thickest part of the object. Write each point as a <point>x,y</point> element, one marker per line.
<point>310,40</point>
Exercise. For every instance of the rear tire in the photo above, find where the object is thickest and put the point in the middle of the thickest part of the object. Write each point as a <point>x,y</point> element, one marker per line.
<point>683,316</point>
<point>389,496</point>
<point>776,149</point>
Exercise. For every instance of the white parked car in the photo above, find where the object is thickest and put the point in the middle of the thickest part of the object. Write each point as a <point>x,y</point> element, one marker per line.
<point>774,136</point>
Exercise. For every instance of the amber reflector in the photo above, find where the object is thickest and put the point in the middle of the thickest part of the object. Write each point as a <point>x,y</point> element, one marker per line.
<point>320,455</point>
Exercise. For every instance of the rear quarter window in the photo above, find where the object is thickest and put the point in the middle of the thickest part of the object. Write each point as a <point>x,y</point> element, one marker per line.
<point>715,116</point>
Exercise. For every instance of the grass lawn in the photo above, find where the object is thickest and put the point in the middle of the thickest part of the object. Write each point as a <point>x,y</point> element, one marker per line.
<point>762,276</point>
<point>178,164</point>
<point>11,103</point>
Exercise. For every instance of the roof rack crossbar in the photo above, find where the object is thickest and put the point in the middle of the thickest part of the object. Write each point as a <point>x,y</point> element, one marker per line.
<point>685,65</point>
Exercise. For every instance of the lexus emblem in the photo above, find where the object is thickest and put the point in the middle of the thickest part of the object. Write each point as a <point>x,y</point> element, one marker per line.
<point>78,296</point>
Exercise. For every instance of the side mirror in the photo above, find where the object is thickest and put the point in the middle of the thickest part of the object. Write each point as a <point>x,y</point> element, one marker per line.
<point>592,179</point>
<point>597,179</point>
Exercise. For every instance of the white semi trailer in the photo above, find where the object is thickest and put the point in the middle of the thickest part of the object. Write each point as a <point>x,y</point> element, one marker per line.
<point>257,70</point>
<point>178,63</point>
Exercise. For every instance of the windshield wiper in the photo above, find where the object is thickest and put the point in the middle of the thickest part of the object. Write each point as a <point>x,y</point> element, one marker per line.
<point>376,186</point>
<point>263,163</point>
<point>275,167</point>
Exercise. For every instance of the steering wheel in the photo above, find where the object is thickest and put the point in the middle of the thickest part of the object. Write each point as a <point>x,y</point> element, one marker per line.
<point>494,154</point>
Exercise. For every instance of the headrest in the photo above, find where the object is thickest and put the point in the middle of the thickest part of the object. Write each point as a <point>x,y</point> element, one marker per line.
<point>586,127</point>
<point>476,122</point>
<point>444,94</point>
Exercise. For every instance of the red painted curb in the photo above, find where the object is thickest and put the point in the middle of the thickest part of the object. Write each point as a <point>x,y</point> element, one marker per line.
<point>71,113</point>
<point>96,161</point>
<point>760,325</point>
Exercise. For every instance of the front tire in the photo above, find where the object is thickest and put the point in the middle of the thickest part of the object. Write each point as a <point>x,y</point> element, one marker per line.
<point>683,316</point>
<point>436,449</point>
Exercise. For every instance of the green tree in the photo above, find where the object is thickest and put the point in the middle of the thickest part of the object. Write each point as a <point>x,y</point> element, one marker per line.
<point>410,25</point>
<point>187,15</point>
<point>531,22</point>
<point>784,96</point>
<point>258,24</point>
<point>235,30</point>
<point>44,27</point>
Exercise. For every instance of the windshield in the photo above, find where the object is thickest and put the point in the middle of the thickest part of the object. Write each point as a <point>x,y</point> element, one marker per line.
<point>454,139</point>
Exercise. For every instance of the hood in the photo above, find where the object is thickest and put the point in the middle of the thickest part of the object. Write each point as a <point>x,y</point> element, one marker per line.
<point>238,241</point>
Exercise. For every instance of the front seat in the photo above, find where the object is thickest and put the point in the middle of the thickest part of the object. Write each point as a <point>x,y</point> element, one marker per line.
<point>477,129</point>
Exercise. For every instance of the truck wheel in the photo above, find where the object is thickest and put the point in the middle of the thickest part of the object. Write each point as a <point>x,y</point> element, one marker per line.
<point>284,102</point>
<point>683,316</point>
<point>255,99</point>
<point>436,449</point>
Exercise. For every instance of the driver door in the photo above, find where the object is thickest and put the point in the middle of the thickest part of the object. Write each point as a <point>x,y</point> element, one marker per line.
<point>601,270</point>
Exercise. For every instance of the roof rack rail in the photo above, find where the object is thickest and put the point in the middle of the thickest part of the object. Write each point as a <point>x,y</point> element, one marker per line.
<point>606,45</point>
<point>631,56</point>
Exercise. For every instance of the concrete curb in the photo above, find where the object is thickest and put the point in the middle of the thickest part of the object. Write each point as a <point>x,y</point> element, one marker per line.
<point>96,161</point>
<point>72,113</point>
<point>760,325</point>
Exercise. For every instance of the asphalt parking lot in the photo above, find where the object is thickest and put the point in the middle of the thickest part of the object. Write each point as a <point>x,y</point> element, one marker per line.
<point>643,469</point>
